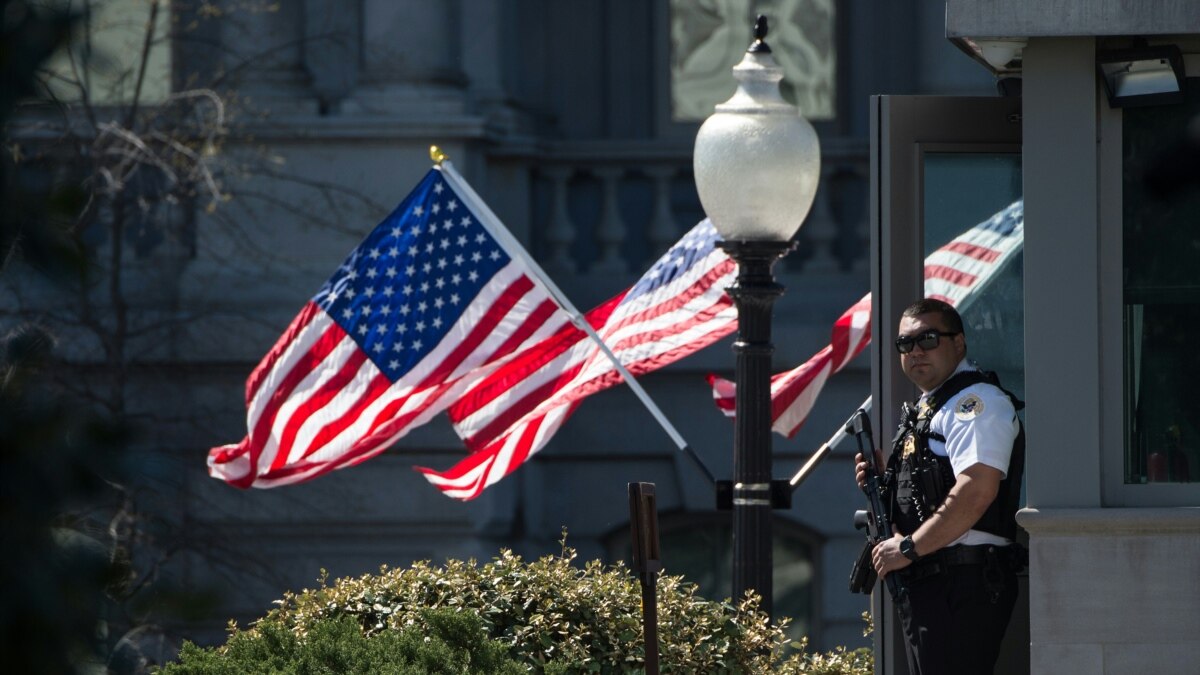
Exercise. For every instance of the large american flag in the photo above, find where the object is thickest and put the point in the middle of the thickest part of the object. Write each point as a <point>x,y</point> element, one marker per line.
<point>418,312</point>
<point>678,307</point>
<point>956,273</point>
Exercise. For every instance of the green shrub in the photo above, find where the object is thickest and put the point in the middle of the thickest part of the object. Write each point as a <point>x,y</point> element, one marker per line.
<point>840,661</point>
<point>446,642</point>
<point>550,615</point>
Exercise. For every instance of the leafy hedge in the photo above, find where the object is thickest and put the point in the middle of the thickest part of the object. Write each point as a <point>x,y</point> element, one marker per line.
<point>550,615</point>
<point>447,642</point>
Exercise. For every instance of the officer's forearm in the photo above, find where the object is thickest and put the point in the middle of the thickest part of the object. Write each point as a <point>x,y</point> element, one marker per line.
<point>973,492</point>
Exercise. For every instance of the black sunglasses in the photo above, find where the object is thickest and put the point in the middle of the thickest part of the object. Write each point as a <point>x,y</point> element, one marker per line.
<point>926,341</point>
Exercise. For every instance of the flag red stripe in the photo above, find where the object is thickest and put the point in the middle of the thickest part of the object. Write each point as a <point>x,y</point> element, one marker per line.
<point>520,453</point>
<point>525,446</point>
<point>321,349</point>
<point>950,274</point>
<point>460,468</point>
<point>315,403</point>
<point>843,331</point>
<point>363,449</point>
<point>698,288</point>
<point>722,393</point>
<point>229,455</point>
<point>609,377</point>
<point>518,408</point>
<point>487,323</point>
<point>973,250</point>
<point>537,317</point>
<point>660,333</point>
<point>519,369</point>
<point>371,393</point>
<point>386,421</point>
<point>264,368</point>
<point>809,371</point>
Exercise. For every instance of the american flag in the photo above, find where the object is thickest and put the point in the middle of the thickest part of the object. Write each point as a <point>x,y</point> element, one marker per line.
<point>678,307</point>
<point>956,273</point>
<point>418,312</point>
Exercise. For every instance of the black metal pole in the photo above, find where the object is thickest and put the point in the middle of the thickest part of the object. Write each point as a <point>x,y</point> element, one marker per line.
<point>754,293</point>
<point>647,562</point>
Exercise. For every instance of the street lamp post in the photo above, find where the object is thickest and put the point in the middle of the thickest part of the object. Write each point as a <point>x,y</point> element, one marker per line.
<point>756,163</point>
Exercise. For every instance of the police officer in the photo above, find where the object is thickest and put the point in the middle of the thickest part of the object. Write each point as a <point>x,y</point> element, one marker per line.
<point>952,487</point>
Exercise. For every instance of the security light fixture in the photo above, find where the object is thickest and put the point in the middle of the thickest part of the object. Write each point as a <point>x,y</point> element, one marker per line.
<point>1142,75</point>
<point>1002,54</point>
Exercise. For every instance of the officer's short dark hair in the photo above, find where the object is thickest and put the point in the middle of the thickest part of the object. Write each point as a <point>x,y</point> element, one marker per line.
<point>951,321</point>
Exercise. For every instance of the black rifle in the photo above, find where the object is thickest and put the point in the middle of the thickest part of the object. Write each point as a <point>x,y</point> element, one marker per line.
<point>862,579</point>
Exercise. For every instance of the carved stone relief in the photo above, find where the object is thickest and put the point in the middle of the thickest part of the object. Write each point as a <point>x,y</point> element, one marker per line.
<point>708,37</point>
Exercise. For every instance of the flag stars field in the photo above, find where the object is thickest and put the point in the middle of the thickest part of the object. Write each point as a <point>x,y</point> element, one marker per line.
<point>409,253</point>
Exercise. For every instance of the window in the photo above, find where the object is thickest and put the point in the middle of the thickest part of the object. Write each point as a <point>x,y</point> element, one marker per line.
<point>1160,293</point>
<point>104,54</point>
<point>961,190</point>
<point>708,39</point>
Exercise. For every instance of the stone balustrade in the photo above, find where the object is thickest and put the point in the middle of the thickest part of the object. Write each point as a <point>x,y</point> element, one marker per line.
<point>613,208</point>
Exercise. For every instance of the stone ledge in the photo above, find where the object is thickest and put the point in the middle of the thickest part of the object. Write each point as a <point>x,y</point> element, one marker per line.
<point>1030,18</point>
<point>1110,521</point>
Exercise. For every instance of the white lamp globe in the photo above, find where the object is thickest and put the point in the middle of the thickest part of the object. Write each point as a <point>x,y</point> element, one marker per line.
<point>756,160</point>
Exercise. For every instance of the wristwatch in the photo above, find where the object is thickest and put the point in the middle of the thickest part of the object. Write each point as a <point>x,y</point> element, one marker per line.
<point>908,549</point>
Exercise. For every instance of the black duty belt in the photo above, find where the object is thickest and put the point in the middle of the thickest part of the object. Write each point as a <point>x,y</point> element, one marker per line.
<point>951,556</point>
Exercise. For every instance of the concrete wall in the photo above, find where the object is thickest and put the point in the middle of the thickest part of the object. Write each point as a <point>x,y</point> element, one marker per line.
<point>1061,18</point>
<point>1112,590</point>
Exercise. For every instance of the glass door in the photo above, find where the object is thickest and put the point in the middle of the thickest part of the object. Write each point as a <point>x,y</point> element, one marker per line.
<point>947,221</point>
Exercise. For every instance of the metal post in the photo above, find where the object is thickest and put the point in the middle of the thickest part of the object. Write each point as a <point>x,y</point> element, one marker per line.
<point>643,520</point>
<point>754,292</point>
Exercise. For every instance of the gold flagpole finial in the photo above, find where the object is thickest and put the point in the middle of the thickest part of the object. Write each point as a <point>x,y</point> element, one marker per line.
<point>436,154</point>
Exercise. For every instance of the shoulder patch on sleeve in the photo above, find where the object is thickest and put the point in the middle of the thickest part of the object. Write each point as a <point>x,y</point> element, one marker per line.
<point>968,407</point>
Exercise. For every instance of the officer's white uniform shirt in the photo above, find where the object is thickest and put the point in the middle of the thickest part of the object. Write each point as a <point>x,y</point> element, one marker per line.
<point>979,425</point>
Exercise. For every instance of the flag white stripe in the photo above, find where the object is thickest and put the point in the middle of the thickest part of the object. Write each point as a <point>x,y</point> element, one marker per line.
<point>547,424</point>
<point>666,320</point>
<point>598,364</point>
<point>312,382</point>
<point>339,406</point>
<point>284,365</point>
<point>796,413</point>
<point>677,286</point>
<point>468,426</point>
<point>957,261</point>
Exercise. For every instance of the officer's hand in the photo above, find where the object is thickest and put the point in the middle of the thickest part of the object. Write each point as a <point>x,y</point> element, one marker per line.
<point>860,468</point>
<point>887,556</point>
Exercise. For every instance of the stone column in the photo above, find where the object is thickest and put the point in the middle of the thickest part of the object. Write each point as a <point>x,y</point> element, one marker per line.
<point>410,57</point>
<point>263,56</point>
<point>333,41</point>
